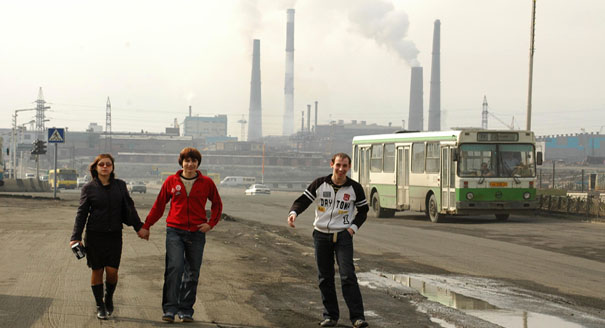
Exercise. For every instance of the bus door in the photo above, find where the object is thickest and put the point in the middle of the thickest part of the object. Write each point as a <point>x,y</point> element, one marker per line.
<point>448,190</point>
<point>403,177</point>
<point>364,169</point>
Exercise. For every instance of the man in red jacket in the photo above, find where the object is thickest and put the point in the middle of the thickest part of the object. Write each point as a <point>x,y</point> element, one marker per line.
<point>187,225</point>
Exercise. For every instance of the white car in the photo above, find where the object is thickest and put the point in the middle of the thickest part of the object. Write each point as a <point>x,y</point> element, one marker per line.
<point>256,189</point>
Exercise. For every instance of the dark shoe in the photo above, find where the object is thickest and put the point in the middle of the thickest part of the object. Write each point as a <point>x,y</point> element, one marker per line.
<point>186,317</point>
<point>328,323</point>
<point>101,313</point>
<point>168,317</point>
<point>359,323</point>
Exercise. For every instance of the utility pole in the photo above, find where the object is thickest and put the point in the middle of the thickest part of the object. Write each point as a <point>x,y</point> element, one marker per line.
<point>531,64</point>
<point>484,113</point>
<point>108,127</point>
<point>40,129</point>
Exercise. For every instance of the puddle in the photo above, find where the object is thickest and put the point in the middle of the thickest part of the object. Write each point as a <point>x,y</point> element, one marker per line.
<point>480,308</point>
<point>490,300</point>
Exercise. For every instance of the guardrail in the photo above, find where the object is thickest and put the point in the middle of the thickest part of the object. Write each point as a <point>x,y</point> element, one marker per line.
<point>29,185</point>
<point>586,204</point>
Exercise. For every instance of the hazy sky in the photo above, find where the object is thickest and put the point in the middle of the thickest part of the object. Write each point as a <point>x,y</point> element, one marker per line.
<point>155,58</point>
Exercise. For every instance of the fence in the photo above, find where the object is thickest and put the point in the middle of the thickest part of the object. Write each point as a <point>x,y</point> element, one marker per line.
<point>590,206</point>
<point>570,179</point>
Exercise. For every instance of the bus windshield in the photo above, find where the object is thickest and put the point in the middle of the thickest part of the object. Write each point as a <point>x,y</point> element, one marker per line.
<point>497,160</point>
<point>67,176</point>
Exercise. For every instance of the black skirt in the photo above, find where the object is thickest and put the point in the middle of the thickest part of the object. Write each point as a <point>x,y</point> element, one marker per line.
<point>103,249</point>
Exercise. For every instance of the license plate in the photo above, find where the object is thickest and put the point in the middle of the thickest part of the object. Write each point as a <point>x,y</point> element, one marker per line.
<point>498,184</point>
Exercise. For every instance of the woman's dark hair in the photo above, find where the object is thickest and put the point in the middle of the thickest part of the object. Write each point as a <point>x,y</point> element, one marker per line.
<point>93,166</point>
<point>192,153</point>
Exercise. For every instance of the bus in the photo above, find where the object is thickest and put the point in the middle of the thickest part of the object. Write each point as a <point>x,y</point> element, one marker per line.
<point>461,172</point>
<point>66,178</point>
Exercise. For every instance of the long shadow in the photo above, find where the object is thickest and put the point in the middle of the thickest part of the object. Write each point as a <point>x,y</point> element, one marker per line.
<point>158,323</point>
<point>22,311</point>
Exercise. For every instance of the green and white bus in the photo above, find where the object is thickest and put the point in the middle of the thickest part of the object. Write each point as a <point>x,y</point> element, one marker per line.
<point>466,171</point>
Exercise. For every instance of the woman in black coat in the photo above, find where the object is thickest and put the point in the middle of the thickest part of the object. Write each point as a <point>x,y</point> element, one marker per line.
<point>104,205</point>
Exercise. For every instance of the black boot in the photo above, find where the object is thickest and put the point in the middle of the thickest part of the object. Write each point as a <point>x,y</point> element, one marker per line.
<point>109,289</point>
<point>97,290</point>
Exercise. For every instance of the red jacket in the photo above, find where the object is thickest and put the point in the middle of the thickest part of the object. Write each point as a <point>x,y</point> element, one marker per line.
<point>186,212</point>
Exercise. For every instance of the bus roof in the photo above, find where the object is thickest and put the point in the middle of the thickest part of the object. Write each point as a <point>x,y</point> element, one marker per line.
<point>424,136</point>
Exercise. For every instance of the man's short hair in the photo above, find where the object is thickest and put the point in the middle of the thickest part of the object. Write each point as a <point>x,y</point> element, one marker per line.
<point>191,153</point>
<point>341,155</point>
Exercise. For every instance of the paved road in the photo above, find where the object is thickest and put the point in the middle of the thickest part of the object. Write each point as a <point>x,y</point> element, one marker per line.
<point>567,255</point>
<point>559,257</point>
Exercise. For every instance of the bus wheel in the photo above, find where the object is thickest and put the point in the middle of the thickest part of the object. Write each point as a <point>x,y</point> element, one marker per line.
<point>380,212</point>
<point>502,217</point>
<point>432,211</point>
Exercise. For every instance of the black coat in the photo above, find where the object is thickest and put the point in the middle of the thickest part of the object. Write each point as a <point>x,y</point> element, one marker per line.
<point>105,208</point>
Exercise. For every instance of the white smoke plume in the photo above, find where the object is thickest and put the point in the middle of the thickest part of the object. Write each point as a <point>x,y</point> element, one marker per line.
<point>380,21</point>
<point>251,18</point>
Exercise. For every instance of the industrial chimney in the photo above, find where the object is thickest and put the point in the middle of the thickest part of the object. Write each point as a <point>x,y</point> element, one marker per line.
<point>315,127</point>
<point>415,120</point>
<point>435,96</point>
<point>288,124</point>
<point>255,125</point>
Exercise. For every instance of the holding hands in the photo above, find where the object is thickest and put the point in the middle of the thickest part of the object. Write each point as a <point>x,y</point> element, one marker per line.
<point>143,233</point>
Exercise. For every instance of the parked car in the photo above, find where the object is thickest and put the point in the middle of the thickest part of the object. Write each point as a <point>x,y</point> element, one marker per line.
<point>30,175</point>
<point>137,186</point>
<point>82,181</point>
<point>256,189</point>
<point>44,178</point>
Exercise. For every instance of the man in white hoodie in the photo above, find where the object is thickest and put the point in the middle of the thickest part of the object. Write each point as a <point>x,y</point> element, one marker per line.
<point>341,210</point>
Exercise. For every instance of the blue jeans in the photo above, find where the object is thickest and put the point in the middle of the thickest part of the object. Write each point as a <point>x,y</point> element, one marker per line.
<point>184,251</point>
<point>325,249</point>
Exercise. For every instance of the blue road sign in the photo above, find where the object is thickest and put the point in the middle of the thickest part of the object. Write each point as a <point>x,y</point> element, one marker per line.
<point>56,135</point>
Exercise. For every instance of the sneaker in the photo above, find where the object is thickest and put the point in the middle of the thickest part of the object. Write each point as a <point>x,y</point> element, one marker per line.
<point>327,322</point>
<point>101,313</point>
<point>359,323</point>
<point>168,317</point>
<point>186,317</point>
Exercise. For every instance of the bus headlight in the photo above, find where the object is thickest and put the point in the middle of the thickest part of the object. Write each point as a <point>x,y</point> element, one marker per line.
<point>469,195</point>
<point>526,195</point>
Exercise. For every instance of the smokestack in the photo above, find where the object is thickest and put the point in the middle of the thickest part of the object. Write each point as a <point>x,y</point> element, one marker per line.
<point>189,110</point>
<point>315,128</point>
<point>288,124</point>
<point>415,119</point>
<point>309,118</point>
<point>255,126</point>
<point>302,121</point>
<point>435,96</point>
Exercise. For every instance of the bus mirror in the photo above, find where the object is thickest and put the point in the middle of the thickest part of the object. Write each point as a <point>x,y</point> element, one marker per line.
<point>539,158</point>
<point>455,155</point>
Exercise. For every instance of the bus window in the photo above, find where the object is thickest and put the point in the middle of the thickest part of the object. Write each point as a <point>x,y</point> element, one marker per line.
<point>356,158</point>
<point>517,160</point>
<point>476,160</point>
<point>432,157</point>
<point>389,158</point>
<point>418,157</point>
<point>376,160</point>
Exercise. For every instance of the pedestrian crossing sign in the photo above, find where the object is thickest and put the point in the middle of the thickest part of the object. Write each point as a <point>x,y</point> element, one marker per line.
<point>56,135</point>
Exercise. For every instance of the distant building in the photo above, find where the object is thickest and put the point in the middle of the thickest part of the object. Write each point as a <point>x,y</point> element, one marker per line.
<point>573,147</point>
<point>205,127</point>
<point>94,127</point>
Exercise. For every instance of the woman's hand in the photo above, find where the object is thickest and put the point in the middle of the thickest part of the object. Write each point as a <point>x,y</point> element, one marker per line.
<point>73,242</point>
